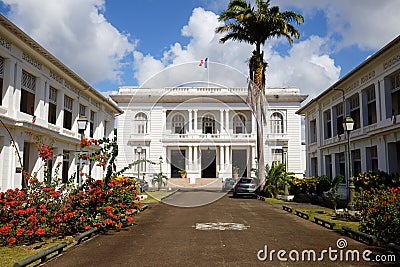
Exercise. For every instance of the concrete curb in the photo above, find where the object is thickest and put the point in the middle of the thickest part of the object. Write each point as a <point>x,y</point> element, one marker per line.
<point>172,193</point>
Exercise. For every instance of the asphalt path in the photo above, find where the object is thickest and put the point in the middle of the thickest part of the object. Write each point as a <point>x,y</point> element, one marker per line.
<point>207,228</point>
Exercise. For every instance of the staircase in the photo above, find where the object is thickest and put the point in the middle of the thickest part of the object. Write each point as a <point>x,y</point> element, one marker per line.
<point>201,183</point>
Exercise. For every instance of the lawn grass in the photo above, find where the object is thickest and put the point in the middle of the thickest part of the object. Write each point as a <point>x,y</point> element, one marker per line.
<point>322,212</point>
<point>156,196</point>
<point>329,214</point>
<point>9,256</point>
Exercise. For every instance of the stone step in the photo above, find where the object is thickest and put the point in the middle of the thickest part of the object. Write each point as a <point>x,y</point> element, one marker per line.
<point>200,182</point>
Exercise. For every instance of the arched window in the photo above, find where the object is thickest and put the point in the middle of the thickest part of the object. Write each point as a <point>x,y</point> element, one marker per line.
<point>239,124</point>
<point>178,124</point>
<point>277,123</point>
<point>141,123</point>
<point>208,122</point>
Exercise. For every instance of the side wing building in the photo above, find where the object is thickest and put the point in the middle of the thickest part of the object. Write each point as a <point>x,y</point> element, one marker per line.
<point>42,98</point>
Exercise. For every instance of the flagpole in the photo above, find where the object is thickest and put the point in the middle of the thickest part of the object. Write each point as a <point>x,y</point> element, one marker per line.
<point>208,74</point>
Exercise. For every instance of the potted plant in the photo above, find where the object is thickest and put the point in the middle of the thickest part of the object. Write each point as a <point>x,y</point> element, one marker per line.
<point>182,173</point>
<point>235,172</point>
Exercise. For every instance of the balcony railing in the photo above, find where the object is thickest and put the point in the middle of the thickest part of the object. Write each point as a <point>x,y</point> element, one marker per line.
<point>198,136</point>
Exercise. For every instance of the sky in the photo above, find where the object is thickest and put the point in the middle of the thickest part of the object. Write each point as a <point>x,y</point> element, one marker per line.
<point>112,43</point>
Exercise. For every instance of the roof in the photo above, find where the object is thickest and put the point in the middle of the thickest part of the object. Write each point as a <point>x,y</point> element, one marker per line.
<point>57,63</point>
<point>351,73</point>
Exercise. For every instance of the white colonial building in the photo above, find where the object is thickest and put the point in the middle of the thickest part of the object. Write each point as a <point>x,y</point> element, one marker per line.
<point>207,131</point>
<point>370,95</point>
<point>41,97</point>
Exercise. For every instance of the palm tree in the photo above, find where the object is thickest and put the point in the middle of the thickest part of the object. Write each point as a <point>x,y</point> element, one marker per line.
<point>245,23</point>
<point>276,178</point>
<point>160,179</point>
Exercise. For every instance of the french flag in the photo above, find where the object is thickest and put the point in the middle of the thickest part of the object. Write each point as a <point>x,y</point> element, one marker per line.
<point>204,62</point>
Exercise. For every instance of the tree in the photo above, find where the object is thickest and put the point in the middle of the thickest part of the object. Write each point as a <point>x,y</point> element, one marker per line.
<point>255,25</point>
<point>160,179</point>
<point>276,178</point>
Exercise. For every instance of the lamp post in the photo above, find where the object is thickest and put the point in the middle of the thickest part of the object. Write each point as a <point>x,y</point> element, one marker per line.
<point>161,162</point>
<point>82,124</point>
<point>284,159</point>
<point>348,125</point>
<point>139,151</point>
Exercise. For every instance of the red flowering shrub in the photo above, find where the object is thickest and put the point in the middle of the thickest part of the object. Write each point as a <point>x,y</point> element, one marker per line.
<point>28,215</point>
<point>380,213</point>
<point>44,150</point>
<point>48,209</point>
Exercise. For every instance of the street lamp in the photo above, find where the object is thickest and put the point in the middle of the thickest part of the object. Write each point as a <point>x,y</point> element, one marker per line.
<point>139,151</point>
<point>82,124</point>
<point>161,162</point>
<point>284,159</point>
<point>348,125</point>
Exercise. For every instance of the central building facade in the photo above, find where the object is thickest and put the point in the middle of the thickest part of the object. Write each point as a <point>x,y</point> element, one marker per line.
<point>208,132</point>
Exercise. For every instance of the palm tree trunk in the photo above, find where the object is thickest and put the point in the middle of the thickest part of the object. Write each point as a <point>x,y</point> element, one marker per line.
<point>260,140</point>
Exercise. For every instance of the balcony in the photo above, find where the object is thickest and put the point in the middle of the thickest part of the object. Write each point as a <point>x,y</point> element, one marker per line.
<point>200,137</point>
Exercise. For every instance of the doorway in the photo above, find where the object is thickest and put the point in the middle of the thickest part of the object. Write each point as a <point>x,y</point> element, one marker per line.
<point>178,162</point>
<point>239,160</point>
<point>208,164</point>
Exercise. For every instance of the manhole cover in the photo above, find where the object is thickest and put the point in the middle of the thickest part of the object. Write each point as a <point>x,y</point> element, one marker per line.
<point>221,226</point>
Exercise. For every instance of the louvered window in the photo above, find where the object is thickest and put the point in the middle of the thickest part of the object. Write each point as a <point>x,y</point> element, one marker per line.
<point>28,82</point>
<point>91,123</point>
<point>52,118</point>
<point>82,110</point>
<point>68,102</point>
<point>28,86</point>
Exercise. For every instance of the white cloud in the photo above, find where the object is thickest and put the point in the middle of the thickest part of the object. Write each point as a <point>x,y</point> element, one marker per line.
<point>306,65</point>
<point>77,33</point>
<point>367,24</point>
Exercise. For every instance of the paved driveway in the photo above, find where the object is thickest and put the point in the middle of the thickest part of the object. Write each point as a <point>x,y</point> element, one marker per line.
<point>223,232</point>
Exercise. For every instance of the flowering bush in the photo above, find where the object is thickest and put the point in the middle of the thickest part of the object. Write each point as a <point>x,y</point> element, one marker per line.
<point>38,211</point>
<point>47,209</point>
<point>380,179</point>
<point>380,213</point>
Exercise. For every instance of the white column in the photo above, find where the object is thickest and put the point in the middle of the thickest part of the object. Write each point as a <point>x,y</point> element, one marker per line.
<point>164,120</point>
<point>190,121</point>
<point>227,120</point>
<point>195,120</point>
<point>227,158</point>
<point>195,158</point>
<point>190,158</point>
<point>221,158</point>
<point>221,123</point>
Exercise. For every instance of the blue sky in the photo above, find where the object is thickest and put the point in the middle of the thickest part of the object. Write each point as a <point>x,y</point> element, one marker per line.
<point>112,43</point>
